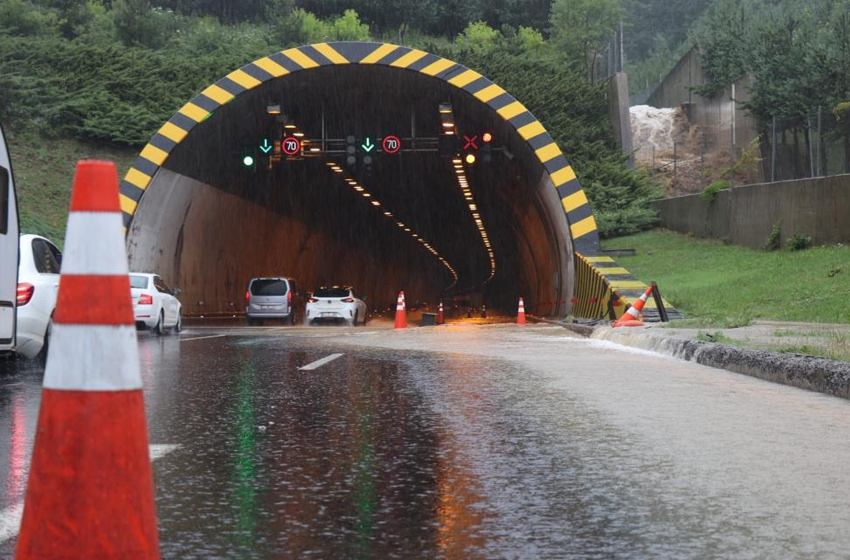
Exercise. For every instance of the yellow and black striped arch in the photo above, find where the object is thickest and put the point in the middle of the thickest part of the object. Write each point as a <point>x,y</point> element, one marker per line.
<point>579,215</point>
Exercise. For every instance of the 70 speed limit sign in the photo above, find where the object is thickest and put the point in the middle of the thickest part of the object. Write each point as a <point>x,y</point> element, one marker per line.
<point>391,144</point>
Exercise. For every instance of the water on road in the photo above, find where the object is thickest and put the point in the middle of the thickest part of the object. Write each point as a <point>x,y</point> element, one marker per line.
<point>473,442</point>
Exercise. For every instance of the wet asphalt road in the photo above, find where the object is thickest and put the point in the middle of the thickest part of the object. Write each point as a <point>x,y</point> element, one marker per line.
<point>468,442</point>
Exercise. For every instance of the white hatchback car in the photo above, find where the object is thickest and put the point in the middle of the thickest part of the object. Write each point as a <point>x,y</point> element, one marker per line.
<point>155,305</point>
<point>334,304</point>
<point>38,283</point>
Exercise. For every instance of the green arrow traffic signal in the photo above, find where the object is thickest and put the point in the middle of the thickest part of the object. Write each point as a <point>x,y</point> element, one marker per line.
<point>368,146</point>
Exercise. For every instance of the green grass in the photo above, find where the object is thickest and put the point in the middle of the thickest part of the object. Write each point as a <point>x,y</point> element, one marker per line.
<point>715,284</point>
<point>44,173</point>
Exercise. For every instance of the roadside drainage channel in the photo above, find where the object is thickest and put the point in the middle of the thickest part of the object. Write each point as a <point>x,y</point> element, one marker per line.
<point>830,377</point>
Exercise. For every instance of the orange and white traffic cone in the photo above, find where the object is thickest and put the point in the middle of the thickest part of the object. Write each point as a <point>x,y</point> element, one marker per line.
<point>631,318</point>
<point>441,316</point>
<point>520,316</point>
<point>90,490</point>
<point>400,313</point>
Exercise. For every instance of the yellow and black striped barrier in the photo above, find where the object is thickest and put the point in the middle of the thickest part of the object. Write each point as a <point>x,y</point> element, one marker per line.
<point>279,65</point>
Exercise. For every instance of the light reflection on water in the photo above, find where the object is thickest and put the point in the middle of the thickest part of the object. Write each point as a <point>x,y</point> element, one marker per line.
<point>399,454</point>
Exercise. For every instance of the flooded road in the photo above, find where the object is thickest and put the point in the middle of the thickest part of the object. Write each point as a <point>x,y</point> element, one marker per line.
<point>473,442</point>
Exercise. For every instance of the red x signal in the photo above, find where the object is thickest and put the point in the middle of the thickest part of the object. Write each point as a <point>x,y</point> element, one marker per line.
<point>470,142</point>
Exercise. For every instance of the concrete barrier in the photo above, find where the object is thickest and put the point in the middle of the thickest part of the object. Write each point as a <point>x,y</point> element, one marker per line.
<point>746,215</point>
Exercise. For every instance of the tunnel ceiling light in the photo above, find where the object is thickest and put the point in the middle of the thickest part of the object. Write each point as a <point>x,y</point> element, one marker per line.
<point>290,126</point>
<point>298,134</point>
<point>273,109</point>
<point>359,188</point>
<point>463,183</point>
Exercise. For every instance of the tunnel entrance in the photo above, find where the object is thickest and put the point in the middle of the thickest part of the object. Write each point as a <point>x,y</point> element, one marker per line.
<point>424,220</point>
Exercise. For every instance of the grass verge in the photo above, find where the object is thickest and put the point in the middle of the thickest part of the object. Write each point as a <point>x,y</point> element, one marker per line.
<point>44,172</point>
<point>719,285</point>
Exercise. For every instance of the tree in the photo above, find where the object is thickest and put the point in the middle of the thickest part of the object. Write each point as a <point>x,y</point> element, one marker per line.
<point>137,24</point>
<point>347,27</point>
<point>582,28</point>
<point>726,38</point>
<point>299,28</point>
<point>479,37</point>
<point>74,16</point>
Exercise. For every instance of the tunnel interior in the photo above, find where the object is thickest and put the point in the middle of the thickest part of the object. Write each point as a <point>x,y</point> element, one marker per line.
<point>208,223</point>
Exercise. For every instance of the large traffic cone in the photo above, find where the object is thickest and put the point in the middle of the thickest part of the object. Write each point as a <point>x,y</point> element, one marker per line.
<point>400,313</point>
<point>90,490</point>
<point>631,318</point>
<point>441,316</point>
<point>520,316</point>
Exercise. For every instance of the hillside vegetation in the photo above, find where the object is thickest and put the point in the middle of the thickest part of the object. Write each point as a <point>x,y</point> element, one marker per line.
<point>104,75</point>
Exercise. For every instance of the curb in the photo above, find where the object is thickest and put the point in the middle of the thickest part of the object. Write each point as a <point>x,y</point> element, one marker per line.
<point>830,377</point>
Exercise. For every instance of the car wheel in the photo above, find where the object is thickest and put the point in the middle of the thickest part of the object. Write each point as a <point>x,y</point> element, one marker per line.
<point>159,328</point>
<point>356,319</point>
<point>178,327</point>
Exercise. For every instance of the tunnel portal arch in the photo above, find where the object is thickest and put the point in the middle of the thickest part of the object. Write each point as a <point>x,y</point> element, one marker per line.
<point>580,218</point>
<point>587,298</point>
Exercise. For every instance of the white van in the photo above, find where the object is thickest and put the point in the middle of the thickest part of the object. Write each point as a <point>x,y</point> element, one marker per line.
<point>8,249</point>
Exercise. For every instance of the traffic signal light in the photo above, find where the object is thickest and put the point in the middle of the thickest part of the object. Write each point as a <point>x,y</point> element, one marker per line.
<point>248,160</point>
<point>486,147</point>
<point>351,151</point>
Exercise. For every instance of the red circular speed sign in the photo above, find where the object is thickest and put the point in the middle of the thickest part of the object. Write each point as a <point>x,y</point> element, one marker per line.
<point>391,144</point>
<point>290,145</point>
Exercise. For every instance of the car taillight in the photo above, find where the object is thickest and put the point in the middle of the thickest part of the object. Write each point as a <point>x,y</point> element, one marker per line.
<point>289,298</point>
<point>348,300</point>
<point>23,295</point>
<point>313,300</point>
<point>145,299</point>
<point>247,297</point>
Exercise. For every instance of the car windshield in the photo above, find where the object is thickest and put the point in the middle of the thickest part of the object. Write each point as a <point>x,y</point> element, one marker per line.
<point>268,287</point>
<point>332,293</point>
<point>138,282</point>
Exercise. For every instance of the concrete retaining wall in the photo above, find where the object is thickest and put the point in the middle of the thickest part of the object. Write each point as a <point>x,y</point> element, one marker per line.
<point>746,215</point>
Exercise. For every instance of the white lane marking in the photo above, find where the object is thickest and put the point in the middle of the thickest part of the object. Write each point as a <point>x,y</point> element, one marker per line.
<point>320,363</point>
<point>160,450</point>
<point>10,518</point>
<point>202,337</point>
<point>10,521</point>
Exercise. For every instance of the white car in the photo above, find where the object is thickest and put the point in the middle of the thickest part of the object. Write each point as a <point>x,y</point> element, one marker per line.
<point>38,283</point>
<point>336,303</point>
<point>155,305</point>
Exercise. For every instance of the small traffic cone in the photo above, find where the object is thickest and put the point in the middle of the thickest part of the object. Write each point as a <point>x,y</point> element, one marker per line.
<point>631,318</point>
<point>400,313</point>
<point>520,316</point>
<point>90,490</point>
<point>441,316</point>
<point>483,311</point>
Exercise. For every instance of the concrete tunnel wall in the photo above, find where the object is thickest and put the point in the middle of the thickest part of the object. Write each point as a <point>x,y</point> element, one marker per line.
<point>209,236</point>
<point>209,243</point>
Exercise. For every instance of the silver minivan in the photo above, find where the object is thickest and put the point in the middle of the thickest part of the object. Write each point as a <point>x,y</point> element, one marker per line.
<point>275,298</point>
